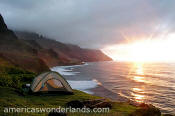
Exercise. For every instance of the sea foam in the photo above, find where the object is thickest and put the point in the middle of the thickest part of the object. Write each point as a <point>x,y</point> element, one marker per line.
<point>67,70</point>
<point>83,85</point>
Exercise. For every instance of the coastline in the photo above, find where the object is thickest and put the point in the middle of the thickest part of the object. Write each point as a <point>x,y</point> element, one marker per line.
<point>92,87</point>
<point>103,92</point>
<point>21,98</point>
<point>98,89</point>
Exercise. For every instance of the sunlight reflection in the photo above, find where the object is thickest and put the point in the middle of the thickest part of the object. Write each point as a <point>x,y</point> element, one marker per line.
<point>138,97</point>
<point>137,89</point>
<point>138,78</point>
<point>138,92</point>
<point>139,71</point>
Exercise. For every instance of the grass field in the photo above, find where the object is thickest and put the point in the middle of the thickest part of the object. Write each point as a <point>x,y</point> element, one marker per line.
<point>9,97</point>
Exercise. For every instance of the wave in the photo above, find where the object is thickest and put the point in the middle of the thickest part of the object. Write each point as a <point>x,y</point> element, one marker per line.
<point>67,70</point>
<point>83,85</point>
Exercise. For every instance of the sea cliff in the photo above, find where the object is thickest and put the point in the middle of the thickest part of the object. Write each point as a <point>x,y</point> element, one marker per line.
<point>36,53</point>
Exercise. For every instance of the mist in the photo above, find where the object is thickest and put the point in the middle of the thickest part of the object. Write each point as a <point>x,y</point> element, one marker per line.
<point>91,23</point>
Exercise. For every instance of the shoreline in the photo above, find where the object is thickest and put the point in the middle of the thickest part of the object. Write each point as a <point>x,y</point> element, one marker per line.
<point>79,63</point>
<point>103,92</point>
<point>98,90</point>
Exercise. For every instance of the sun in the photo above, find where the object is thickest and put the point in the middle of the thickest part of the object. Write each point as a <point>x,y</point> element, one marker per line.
<point>145,50</point>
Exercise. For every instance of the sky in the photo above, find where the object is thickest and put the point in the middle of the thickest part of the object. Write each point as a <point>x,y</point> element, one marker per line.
<point>91,23</point>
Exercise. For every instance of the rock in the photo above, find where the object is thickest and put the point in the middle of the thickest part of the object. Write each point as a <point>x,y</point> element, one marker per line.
<point>57,114</point>
<point>167,115</point>
<point>92,102</point>
<point>3,26</point>
<point>133,103</point>
<point>75,104</point>
<point>103,105</point>
<point>146,110</point>
<point>145,106</point>
<point>99,103</point>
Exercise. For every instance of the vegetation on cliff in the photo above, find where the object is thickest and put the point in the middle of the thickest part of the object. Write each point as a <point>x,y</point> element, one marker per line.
<point>17,52</point>
<point>36,53</point>
<point>57,53</point>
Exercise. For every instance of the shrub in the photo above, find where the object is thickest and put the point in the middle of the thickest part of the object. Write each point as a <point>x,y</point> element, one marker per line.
<point>5,80</point>
<point>16,70</point>
<point>27,77</point>
<point>15,77</point>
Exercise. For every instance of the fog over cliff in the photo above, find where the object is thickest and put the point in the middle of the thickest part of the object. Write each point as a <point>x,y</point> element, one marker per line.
<point>90,23</point>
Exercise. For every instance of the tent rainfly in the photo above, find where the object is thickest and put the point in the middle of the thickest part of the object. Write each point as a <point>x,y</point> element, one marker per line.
<point>50,82</point>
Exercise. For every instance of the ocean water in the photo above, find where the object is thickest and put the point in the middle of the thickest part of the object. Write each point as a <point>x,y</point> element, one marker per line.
<point>83,84</point>
<point>141,82</point>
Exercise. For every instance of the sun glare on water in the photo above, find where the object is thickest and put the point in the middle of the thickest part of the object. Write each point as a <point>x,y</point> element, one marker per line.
<point>145,50</point>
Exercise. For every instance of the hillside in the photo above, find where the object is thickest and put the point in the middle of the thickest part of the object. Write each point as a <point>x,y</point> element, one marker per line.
<point>17,52</point>
<point>37,53</point>
<point>64,53</point>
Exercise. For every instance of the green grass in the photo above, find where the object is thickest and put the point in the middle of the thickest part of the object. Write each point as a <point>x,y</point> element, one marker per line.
<point>9,97</point>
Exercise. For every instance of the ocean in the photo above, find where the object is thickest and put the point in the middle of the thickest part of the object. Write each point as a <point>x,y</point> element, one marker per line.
<point>152,83</point>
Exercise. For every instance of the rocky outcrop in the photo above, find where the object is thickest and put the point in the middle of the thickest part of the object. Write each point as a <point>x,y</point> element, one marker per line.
<point>4,31</point>
<point>3,26</point>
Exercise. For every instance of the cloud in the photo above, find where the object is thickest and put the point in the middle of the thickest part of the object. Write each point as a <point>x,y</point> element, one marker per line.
<point>90,23</point>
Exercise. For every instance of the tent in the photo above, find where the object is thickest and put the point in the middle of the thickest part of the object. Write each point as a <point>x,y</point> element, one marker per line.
<point>50,82</point>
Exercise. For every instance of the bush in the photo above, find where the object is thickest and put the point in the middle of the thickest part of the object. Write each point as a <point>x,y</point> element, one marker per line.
<point>16,70</point>
<point>5,80</point>
<point>27,77</point>
<point>15,77</point>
